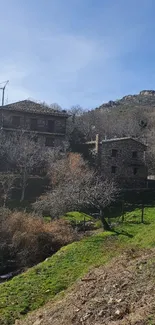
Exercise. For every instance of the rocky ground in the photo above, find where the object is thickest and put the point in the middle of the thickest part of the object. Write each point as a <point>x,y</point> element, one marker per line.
<point>120,293</point>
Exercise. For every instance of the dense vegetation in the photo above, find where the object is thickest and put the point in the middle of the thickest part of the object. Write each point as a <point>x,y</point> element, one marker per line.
<point>26,239</point>
<point>43,282</point>
<point>133,115</point>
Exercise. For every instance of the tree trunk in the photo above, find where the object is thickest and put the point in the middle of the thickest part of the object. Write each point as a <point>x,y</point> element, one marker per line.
<point>142,215</point>
<point>122,211</point>
<point>22,194</point>
<point>4,202</point>
<point>84,224</point>
<point>104,222</point>
<point>24,182</point>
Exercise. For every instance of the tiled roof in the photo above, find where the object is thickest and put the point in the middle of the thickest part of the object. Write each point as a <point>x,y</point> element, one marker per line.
<point>122,139</point>
<point>32,107</point>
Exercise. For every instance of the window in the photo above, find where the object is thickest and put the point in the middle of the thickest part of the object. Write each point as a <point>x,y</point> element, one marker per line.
<point>16,121</point>
<point>135,170</point>
<point>49,142</point>
<point>34,124</point>
<point>51,125</point>
<point>113,169</point>
<point>35,139</point>
<point>114,153</point>
<point>134,154</point>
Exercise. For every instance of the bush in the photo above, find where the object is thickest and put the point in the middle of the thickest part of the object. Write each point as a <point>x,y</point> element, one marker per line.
<point>28,239</point>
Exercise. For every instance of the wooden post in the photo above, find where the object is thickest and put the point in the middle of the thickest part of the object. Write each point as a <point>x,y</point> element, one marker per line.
<point>122,211</point>
<point>84,224</point>
<point>76,229</point>
<point>142,215</point>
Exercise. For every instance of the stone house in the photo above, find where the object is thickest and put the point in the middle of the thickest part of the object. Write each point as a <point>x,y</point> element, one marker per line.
<point>47,125</point>
<point>122,159</point>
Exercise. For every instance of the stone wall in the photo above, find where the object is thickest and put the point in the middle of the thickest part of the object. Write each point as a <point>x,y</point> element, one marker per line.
<point>125,165</point>
<point>42,121</point>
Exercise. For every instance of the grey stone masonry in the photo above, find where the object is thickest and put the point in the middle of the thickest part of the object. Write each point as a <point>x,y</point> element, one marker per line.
<point>122,159</point>
<point>32,117</point>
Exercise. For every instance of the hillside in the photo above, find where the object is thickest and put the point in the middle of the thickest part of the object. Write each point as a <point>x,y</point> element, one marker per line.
<point>51,279</point>
<point>145,99</point>
<point>133,115</point>
<point>120,293</point>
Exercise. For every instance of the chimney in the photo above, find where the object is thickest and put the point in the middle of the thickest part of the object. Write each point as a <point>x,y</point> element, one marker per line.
<point>97,144</point>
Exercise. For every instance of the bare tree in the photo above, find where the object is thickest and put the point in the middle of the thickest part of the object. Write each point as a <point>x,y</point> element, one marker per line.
<point>76,186</point>
<point>55,106</point>
<point>150,154</point>
<point>22,155</point>
<point>75,112</point>
<point>6,181</point>
<point>109,122</point>
<point>29,157</point>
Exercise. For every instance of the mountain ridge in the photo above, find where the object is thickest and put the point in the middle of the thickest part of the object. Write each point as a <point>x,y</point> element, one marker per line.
<point>142,98</point>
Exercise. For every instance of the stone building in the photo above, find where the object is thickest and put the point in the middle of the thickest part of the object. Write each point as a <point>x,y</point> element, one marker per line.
<point>47,125</point>
<point>122,159</point>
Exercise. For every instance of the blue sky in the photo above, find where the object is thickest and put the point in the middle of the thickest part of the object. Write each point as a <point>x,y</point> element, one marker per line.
<point>72,52</point>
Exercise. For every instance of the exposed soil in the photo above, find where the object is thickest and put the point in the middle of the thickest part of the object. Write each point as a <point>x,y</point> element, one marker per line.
<point>120,293</point>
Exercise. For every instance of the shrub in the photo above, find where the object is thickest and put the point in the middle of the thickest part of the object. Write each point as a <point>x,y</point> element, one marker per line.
<point>28,239</point>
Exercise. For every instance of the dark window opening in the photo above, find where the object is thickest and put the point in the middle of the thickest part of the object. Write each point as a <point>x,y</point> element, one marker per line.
<point>51,125</point>
<point>34,124</point>
<point>35,139</point>
<point>114,153</point>
<point>134,154</point>
<point>49,142</point>
<point>113,169</point>
<point>135,170</point>
<point>16,121</point>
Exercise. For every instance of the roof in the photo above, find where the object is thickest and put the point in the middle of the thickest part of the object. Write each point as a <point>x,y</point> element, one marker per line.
<point>123,139</point>
<point>32,107</point>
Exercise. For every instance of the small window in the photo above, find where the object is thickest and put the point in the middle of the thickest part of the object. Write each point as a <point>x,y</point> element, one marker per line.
<point>135,170</point>
<point>114,153</point>
<point>35,139</point>
<point>16,121</point>
<point>34,124</point>
<point>134,154</point>
<point>51,125</point>
<point>49,142</point>
<point>113,169</point>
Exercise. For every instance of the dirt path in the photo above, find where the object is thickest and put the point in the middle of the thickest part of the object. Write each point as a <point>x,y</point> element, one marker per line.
<point>121,293</point>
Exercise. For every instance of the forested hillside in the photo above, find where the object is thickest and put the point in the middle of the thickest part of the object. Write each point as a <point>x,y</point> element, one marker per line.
<point>133,115</point>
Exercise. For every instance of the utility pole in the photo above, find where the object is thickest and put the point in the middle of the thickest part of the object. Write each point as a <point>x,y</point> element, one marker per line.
<point>3,90</point>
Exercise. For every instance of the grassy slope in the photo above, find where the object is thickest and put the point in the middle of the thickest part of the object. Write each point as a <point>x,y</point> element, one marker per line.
<point>73,217</point>
<point>77,216</point>
<point>40,284</point>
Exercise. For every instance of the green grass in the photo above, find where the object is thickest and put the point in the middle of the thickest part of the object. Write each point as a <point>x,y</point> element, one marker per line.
<point>47,219</point>
<point>76,216</point>
<point>43,282</point>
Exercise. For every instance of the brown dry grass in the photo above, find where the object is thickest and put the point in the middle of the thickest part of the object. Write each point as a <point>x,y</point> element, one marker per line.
<point>30,240</point>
